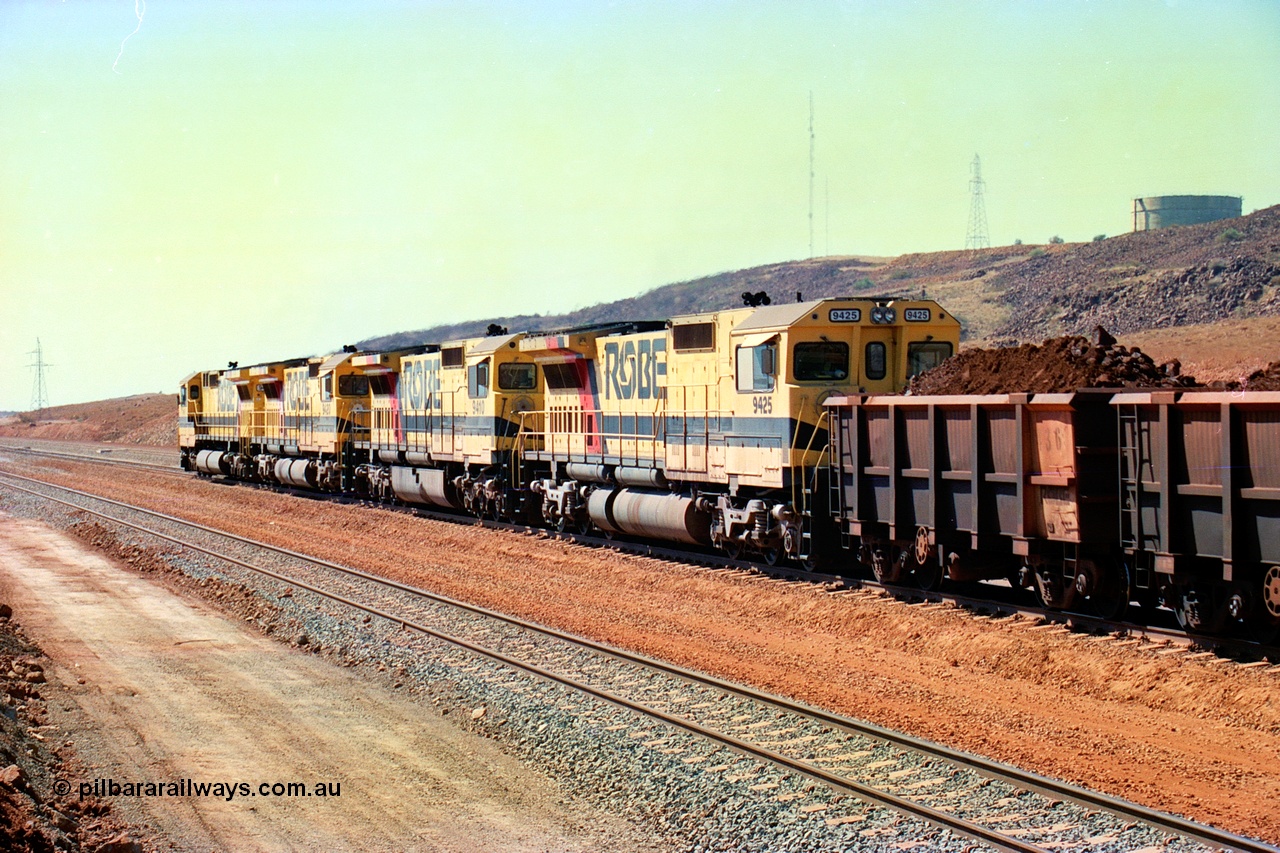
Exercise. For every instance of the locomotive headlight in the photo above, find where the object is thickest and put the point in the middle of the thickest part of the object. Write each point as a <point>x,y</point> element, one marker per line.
<point>877,314</point>
<point>889,315</point>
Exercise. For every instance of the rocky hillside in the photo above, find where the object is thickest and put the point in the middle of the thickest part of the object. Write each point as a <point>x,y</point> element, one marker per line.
<point>149,419</point>
<point>1158,279</point>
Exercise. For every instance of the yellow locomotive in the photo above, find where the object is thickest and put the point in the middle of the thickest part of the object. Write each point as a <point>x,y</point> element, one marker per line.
<point>710,428</point>
<point>707,428</point>
<point>445,420</point>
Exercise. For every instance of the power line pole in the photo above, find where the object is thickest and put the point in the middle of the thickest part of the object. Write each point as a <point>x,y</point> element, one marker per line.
<point>39,390</point>
<point>977,237</point>
<point>810,173</point>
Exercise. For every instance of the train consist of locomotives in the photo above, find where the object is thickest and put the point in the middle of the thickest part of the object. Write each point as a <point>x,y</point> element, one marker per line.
<point>779,433</point>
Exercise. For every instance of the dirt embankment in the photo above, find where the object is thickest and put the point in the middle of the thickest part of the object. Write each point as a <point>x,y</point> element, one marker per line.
<point>149,419</point>
<point>1070,363</point>
<point>34,814</point>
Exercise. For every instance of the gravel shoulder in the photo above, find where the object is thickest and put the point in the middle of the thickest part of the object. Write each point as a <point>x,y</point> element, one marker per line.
<point>161,688</point>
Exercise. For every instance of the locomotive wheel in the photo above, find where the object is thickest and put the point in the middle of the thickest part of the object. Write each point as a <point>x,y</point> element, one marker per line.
<point>732,548</point>
<point>772,553</point>
<point>583,524</point>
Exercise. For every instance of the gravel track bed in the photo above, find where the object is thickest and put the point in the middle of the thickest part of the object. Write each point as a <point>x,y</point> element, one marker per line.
<point>568,733</point>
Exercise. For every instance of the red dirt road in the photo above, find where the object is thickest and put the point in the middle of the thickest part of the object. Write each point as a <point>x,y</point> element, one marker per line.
<point>160,689</point>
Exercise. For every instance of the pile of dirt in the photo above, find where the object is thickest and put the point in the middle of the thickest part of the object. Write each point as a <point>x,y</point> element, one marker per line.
<point>147,419</point>
<point>39,811</point>
<point>1266,379</point>
<point>1058,365</point>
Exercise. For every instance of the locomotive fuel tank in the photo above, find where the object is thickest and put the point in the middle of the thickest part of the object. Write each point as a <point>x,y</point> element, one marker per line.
<point>296,472</point>
<point>423,486</point>
<point>213,462</point>
<point>657,515</point>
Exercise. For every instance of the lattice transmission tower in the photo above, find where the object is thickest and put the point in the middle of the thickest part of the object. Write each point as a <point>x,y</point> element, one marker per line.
<point>977,237</point>
<point>39,390</point>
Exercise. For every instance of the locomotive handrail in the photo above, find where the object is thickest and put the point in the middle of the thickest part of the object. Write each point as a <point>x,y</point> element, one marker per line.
<point>573,430</point>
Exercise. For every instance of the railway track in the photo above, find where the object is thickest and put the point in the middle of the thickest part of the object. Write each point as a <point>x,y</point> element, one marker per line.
<point>84,453</point>
<point>703,716</point>
<point>997,605</point>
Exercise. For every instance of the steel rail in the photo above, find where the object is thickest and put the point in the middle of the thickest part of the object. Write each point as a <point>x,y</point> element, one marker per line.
<point>81,457</point>
<point>1172,823</point>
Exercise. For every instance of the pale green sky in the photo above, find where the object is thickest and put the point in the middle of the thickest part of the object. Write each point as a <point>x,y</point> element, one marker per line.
<point>264,179</point>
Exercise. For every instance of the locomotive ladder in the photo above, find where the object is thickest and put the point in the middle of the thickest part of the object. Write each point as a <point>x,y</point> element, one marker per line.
<point>835,495</point>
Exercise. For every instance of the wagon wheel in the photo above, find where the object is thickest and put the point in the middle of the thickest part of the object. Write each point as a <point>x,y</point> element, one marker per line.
<point>813,562</point>
<point>1271,591</point>
<point>1262,620</point>
<point>925,569</point>
<point>1111,590</point>
<point>1051,590</point>
<point>885,567</point>
<point>1197,613</point>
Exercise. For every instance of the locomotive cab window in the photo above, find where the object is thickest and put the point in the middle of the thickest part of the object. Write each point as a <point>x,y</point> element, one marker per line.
<point>926,355</point>
<point>517,377</point>
<point>756,367</point>
<point>821,361</point>
<point>326,388</point>
<point>875,361</point>
<point>478,380</point>
<point>353,385</point>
